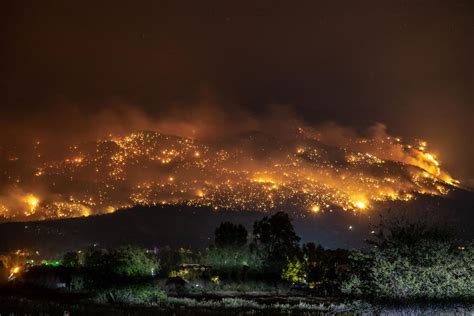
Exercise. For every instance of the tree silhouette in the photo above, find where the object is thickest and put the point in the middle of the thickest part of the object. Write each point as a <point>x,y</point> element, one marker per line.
<point>230,235</point>
<point>276,241</point>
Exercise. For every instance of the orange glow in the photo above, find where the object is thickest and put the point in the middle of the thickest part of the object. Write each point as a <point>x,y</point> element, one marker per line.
<point>200,193</point>
<point>85,211</point>
<point>360,205</point>
<point>149,168</point>
<point>431,158</point>
<point>32,202</point>
<point>78,159</point>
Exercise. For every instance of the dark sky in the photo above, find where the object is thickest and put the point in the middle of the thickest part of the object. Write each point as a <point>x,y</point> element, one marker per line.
<point>407,64</point>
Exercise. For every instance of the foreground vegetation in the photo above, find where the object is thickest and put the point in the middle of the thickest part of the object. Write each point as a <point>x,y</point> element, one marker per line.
<point>232,306</point>
<point>412,261</point>
<point>406,263</point>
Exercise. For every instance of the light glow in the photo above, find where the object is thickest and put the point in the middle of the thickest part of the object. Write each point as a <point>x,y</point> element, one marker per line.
<point>149,168</point>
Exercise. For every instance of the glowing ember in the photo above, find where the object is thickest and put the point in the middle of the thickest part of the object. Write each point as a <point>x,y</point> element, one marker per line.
<point>32,202</point>
<point>360,205</point>
<point>315,209</point>
<point>254,172</point>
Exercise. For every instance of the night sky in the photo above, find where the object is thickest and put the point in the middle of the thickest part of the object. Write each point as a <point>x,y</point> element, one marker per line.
<point>406,64</point>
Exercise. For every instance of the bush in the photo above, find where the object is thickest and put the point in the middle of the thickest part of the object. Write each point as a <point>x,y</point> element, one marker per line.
<point>413,261</point>
<point>234,262</point>
<point>123,263</point>
<point>131,262</point>
<point>295,271</point>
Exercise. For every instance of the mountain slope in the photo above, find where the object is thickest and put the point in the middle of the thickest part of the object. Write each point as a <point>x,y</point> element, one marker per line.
<point>253,171</point>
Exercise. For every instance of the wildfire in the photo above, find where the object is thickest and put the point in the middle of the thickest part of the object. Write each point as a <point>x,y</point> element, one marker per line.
<point>78,160</point>
<point>256,174</point>
<point>360,205</point>
<point>32,202</point>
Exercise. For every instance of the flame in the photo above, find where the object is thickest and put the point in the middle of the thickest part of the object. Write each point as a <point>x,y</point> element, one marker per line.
<point>200,193</point>
<point>78,160</point>
<point>152,168</point>
<point>85,211</point>
<point>360,205</point>
<point>263,179</point>
<point>32,202</point>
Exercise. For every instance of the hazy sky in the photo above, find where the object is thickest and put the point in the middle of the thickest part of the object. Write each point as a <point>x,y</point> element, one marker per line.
<point>407,64</point>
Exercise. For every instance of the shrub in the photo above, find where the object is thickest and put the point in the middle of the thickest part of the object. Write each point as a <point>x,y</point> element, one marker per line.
<point>144,294</point>
<point>234,262</point>
<point>413,261</point>
<point>295,271</point>
<point>131,262</point>
<point>123,263</point>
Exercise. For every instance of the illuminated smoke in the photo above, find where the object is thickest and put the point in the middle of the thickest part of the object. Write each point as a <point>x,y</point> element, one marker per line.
<point>311,170</point>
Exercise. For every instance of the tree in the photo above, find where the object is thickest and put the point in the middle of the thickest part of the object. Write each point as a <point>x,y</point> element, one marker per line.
<point>231,258</point>
<point>314,257</point>
<point>95,259</point>
<point>169,260</point>
<point>71,259</point>
<point>132,262</point>
<point>126,262</point>
<point>325,268</point>
<point>230,235</point>
<point>276,236</point>
<point>311,252</point>
<point>402,233</point>
<point>276,241</point>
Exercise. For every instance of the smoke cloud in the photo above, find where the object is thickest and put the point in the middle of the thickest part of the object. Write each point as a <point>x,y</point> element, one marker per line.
<point>208,154</point>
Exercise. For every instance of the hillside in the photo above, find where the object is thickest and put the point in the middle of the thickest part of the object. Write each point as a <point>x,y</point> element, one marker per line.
<point>306,172</point>
<point>188,226</point>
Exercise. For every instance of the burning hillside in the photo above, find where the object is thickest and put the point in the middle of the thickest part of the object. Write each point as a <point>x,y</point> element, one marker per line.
<point>310,171</point>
